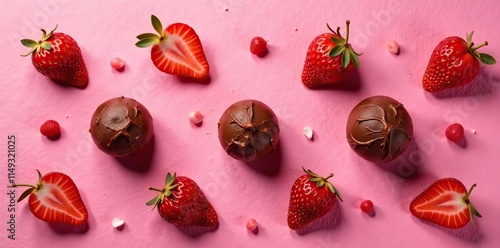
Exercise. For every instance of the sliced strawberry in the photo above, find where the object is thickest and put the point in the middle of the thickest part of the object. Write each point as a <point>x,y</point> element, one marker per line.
<point>55,199</point>
<point>176,50</point>
<point>446,203</point>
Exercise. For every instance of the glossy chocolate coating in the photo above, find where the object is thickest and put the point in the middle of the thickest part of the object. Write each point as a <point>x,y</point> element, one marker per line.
<point>248,130</point>
<point>379,129</point>
<point>121,127</point>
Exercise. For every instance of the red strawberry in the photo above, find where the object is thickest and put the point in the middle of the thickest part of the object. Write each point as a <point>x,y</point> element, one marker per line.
<point>454,62</point>
<point>329,58</point>
<point>446,203</point>
<point>55,199</point>
<point>58,57</point>
<point>312,197</point>
<point>51,129</point>
<point>176,50</point>
<point>182,203</point>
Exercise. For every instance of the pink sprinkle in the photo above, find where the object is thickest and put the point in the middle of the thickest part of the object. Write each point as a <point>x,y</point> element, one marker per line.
<point>393,47</point>
<point>117,64</point>
<point>252,226</point>
<point>195,117</point>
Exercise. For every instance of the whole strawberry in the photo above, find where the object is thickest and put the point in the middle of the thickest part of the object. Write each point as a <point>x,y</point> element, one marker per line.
<point>454,62</point>
<point>58,57</point>
<point>55,199</point>
<point>182,203</point>
<point>312,197</point>
<point>330,58</point>
<point>176,50</point>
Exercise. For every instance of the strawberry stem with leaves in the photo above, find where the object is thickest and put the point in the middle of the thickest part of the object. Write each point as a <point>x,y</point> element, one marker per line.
<point>164,192</point>
<point>472,210</point>
<point>485,59</point>
<point>36,46</point>
<point>322,181</point>
<point>31,189</point>
<point>149,39</point>
<point>343,47</point>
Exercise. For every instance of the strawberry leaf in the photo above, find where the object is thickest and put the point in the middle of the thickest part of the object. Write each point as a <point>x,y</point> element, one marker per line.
<point>346,58</point>
<point>337,40</point>
<point>146,42</point>
<point>25,194</point>
<point>154,201</point>
<point>354,58</point>
<point>487,59</point>
<point>336,51</point>
<point>156,24</point>
<point>147,36</point>
<point>170,179</point>
<point>469,38</point>
<point>321,183</point>
<point>46,45</point>
<point>29,43</point>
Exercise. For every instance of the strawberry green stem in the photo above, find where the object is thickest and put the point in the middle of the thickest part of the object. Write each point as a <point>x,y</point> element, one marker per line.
<point>347,22</point>
<point>158,190</point>
<point>475,48</point>
<point>329,176</point>
<point>24,185</point>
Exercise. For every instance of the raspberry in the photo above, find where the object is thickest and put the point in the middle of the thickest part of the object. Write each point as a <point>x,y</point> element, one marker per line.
<point>51,129</point>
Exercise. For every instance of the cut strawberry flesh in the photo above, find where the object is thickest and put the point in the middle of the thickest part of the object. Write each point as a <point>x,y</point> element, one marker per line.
<point>58,201</point>
<point>444,203</point>
<point>180,53</point>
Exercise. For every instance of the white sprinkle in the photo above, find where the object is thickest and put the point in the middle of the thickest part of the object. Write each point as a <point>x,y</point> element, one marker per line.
<point>195,117</point>
<point>393,47</point>
<point>118,223</point>
<point>474,131</point>
<point>308,132</point>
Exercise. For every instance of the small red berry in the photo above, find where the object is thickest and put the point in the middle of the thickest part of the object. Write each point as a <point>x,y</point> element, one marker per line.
<point>117,64</point>
<point>455,133</point>
<point>258,46</point>
<point>51,129</point>
<point>366,206</point>
<point>252,225</point>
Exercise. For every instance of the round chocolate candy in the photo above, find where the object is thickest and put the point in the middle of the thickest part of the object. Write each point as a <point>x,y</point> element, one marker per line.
<point>121,127</point>
<point>379,129</point>
<point>248,130</point>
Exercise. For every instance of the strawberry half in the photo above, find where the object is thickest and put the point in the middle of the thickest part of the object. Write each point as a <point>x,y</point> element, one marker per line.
<point>329,58</point>
<point>58,57</point>
<point>446,203</point>
<point>312,197</point>
<point>182,203</point>
<point>453,63</point>
<point>55,199</point>
<point>176,50</point>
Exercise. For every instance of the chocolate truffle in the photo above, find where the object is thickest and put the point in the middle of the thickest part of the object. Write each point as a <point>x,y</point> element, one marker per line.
<point>121,127</point>
<point>379,129</point>
<point>248,130</point>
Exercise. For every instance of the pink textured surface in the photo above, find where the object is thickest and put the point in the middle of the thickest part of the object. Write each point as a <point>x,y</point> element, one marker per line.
<point>261,190</point>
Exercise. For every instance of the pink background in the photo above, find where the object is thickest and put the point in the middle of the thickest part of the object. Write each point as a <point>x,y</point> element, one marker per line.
<point>111,188</point>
